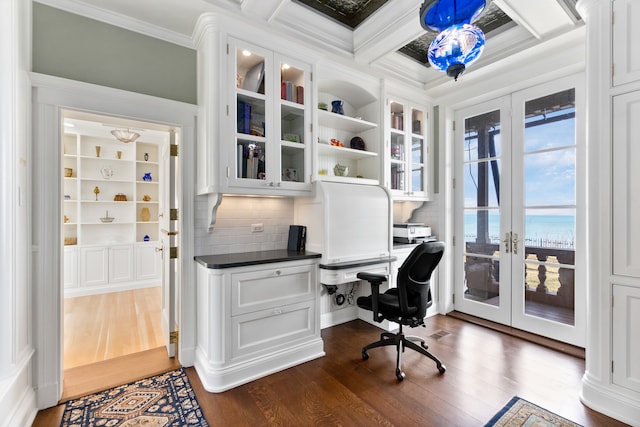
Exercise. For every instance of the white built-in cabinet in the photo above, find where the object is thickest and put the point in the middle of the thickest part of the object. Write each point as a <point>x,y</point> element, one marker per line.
<point>255,121</point>
<point>407,150</point>
<point>110,211</point>
<point>625,327</point>
<point>268,125</point>
<point>254,320</point>
<point>612,380</point>
<point>268,144</point>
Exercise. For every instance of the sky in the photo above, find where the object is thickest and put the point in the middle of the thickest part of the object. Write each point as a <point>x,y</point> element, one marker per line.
<point>548,163</point>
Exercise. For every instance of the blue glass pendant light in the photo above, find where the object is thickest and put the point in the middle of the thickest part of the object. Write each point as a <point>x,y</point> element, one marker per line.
<point>436,15</point>
<point>459,43</point>
<point>455,48</point>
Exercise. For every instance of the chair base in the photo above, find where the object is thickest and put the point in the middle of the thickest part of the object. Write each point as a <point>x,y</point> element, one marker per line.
<point>402,341</point>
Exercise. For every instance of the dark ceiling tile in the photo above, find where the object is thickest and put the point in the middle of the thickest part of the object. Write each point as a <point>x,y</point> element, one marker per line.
<point>347,12</point>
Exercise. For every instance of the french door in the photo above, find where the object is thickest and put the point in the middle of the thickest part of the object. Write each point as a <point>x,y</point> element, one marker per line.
<point>519,226</point>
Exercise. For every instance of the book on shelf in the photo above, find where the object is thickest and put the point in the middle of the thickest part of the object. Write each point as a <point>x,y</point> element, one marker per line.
<point>300,94</point>
<point>244,117</point>
<point>292,92</point>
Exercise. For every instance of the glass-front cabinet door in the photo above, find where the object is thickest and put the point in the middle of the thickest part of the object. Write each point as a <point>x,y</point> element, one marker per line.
<point>270,115</point>
<point>407,150</point>
<point>293,127</point>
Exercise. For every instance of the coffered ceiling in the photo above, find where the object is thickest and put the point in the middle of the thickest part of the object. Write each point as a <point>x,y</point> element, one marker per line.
<point>385,34</point>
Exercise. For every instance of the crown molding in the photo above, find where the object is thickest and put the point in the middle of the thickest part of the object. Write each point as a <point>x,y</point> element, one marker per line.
<point>128,23</point>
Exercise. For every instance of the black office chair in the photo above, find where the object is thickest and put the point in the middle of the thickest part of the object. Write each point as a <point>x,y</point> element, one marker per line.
<point>407,304</point>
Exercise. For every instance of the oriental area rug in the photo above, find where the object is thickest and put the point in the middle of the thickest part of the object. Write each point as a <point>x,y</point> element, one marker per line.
<point>521,413</point>
<point>163,400</point>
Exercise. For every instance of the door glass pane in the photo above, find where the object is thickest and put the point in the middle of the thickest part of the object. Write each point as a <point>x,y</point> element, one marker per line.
<point>292,124</point>
<point>416,179</point>
<point>397,116</point>
<point>416,150</point>
<point>250,115</point>
<point>417,121</point>
<point>550,207</point>
<point>550,178</point>
<point>481,182</point>
<point>397,176</point>
<point>397,146</point>
<point>251,159</point>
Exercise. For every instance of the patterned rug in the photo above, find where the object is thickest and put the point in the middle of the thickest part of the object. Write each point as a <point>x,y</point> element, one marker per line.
<point>164,400</point>
<point>521,413</point>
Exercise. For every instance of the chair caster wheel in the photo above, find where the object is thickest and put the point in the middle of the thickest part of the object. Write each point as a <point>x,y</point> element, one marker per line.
<point>399,375</point>
<point>365,355</point>
<point>441,369</point>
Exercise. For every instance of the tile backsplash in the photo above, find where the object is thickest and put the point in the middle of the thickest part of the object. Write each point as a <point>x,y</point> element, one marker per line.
<point>232,230</point>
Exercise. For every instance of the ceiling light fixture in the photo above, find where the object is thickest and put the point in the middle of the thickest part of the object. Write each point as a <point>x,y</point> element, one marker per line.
<point>459,43</point>
<point>125,136</point>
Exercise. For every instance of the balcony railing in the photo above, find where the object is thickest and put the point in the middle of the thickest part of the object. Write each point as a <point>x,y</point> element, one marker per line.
<point>482,274</point>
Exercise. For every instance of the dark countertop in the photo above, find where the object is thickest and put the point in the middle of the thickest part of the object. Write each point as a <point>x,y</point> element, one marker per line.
<point>252,258</point>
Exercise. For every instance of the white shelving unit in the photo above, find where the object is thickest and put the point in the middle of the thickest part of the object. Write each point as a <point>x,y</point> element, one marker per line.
<point>105,178</point>
<point>362,115</point>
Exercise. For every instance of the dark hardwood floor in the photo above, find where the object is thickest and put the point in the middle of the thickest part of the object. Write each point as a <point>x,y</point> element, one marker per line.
<point>485,368</point>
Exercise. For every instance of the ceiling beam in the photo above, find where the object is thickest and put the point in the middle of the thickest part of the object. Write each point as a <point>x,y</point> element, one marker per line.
<point>539,17</point>
<point>393,26</point>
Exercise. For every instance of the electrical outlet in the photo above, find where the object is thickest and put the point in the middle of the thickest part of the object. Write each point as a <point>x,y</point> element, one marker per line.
<point>257,228</point>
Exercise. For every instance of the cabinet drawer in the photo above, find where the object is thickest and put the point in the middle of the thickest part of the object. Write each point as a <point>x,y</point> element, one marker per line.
<point>257,290</point>
<point>266,329</point>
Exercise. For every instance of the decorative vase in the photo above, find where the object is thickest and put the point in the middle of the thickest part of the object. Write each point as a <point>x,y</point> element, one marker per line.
<point>98,150</point>
<point>147,177</point>
<point>145,214</point>
<point>119,154</point>
<point>337,106</point>
<point>146,157</point>
<point>106,172</point>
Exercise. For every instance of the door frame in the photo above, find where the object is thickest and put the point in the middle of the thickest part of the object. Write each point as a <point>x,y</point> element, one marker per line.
<point>510,315</point>
<point>50,96</point>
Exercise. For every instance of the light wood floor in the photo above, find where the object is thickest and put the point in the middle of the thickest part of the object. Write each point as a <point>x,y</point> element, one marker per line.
<point>485,368</point>
<point>105,326</point>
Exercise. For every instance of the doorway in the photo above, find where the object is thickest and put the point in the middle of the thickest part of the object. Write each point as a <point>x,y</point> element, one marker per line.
<point>50,97</point>
<point>117,179</point>
<point>519,162</point>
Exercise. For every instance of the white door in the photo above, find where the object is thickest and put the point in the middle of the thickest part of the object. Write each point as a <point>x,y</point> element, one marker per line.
<point>517,165</point>
<point>168,240</point>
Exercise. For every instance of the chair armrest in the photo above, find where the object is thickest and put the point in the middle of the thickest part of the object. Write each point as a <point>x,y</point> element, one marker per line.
<point>375,280</point>
<point>372,277</point>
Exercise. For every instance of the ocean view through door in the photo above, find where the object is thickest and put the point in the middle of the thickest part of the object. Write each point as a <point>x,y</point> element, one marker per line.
<point>517,255</point>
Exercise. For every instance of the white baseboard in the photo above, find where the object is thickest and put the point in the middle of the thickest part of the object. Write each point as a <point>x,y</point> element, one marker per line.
<point>216,378</point>
<point>113,287</point>
<point>17,398</point>
<point>621,406</point>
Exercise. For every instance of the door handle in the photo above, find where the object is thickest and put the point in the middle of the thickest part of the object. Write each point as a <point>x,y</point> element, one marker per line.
<point>515,243</point>
<point>507,241</point>
<point>160,249</point>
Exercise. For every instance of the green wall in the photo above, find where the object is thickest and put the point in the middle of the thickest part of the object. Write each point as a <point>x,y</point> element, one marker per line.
<point>78,48</point>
